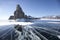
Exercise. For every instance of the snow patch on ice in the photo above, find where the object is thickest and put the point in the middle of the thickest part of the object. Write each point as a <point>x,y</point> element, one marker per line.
<point>8,22</point>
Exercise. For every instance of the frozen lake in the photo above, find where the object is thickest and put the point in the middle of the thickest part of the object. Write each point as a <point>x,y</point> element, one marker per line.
<point>35,30</point>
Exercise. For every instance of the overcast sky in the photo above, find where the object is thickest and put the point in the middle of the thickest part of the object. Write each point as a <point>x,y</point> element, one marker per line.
<point>35,8</point>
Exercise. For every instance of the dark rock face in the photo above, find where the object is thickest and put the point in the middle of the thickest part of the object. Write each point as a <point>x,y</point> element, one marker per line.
<point>18,13</point>
<point>11,17</point>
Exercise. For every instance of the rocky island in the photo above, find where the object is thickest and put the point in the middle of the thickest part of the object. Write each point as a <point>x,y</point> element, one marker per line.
<point>18,13</point>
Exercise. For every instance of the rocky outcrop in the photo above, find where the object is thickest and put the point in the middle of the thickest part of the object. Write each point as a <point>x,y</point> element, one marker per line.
<point>18,13</point>
<point>11,17</point>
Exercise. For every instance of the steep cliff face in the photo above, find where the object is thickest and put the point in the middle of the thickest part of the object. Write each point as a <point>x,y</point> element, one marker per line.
<point>18,13</point>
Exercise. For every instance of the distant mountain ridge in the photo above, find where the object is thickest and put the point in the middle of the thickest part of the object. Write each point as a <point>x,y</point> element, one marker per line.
<point>51,17</point>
